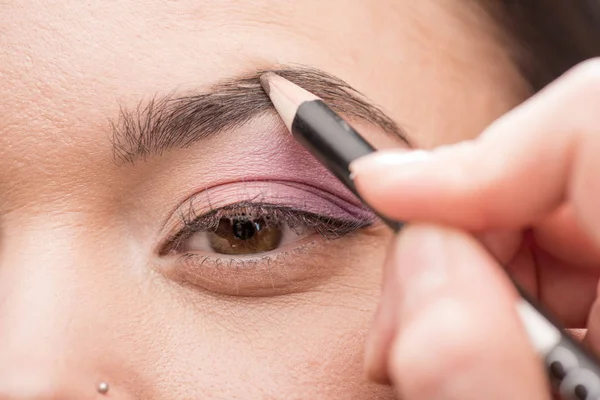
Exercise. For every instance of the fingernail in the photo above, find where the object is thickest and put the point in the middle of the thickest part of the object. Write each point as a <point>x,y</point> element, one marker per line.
<point>387,158</point>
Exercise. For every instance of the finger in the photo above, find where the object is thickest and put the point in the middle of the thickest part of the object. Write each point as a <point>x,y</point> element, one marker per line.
<point>503,245</point>
<point>567,293</point>
<point>592,338</point>
<point>455,339</point>
<point>523,270</point>
<point>384,325</point>
<point>566,241</point>
<point>520,169</point>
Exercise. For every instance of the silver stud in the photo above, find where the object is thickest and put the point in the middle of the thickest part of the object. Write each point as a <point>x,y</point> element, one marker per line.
<point>103,388</point>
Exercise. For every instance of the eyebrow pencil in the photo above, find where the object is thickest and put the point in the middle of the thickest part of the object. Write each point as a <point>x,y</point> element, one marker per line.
<point>573,370</point>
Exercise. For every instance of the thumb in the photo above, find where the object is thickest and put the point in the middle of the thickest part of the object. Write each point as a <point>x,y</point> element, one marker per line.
<point>455,333</point>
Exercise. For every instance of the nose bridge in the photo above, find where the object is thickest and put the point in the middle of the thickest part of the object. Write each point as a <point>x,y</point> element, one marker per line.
<point>38,289</point>
<point>46,346</point>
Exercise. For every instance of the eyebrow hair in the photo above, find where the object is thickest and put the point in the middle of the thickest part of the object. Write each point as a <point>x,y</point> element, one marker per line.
<point>172,121</point>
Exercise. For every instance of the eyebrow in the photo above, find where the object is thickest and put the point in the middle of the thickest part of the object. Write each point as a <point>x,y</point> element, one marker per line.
<point>175,121</point>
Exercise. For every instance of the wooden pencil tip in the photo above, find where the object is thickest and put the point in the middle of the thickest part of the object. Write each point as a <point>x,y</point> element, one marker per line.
<point>264,81</point>
<point>285,95</point>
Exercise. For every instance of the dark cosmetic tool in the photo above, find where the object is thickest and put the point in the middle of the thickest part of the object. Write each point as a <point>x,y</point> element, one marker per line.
<point>573,370</point>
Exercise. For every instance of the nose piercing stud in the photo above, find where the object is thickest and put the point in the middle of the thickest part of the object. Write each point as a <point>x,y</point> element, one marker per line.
<point>103,388</point>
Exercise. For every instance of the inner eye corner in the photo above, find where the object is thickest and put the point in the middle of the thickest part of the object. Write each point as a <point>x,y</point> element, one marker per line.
<point>167,247</point>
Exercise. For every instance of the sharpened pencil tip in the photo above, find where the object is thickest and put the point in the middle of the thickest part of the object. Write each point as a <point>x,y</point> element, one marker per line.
<point>286,96</point>
<point>264,81</point>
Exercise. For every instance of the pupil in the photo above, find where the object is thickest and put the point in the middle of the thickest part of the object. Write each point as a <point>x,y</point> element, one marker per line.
<point>244,230</point>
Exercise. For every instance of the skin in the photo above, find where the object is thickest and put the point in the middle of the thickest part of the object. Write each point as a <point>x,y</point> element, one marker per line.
<point>84,297</point>
<point>538,218</point>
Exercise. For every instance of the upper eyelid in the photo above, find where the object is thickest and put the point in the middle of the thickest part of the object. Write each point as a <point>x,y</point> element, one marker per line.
<point>292,194</point>
<point>297,195</point>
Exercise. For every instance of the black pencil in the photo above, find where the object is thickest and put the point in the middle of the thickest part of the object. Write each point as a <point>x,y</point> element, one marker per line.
<point>573,370</point>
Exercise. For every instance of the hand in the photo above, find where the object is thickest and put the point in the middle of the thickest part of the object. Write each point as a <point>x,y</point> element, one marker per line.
<point>525,194</point>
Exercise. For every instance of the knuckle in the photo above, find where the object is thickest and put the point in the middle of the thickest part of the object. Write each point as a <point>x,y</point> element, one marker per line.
<point>584,81</point>
<point>480,209</point>
<point>470,182</point>
<point>436,350</point>
<point>575,104</point>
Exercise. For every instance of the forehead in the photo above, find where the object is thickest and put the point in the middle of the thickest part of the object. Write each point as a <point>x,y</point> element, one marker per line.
<point>71,46</point>
<point>128,42</point>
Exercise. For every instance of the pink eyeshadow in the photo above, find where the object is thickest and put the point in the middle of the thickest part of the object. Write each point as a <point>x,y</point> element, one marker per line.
<point>284,193</point>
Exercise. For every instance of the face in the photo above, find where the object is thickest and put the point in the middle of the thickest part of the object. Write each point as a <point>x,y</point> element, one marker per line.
<point>166,243</point>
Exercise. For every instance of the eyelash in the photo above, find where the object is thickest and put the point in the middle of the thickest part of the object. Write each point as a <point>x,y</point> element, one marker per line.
<point>274,215</point>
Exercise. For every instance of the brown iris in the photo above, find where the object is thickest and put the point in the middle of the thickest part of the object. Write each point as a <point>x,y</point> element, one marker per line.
<point>244,236</point>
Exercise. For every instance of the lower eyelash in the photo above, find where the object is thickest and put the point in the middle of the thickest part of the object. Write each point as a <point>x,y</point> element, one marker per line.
<point>257,275</point>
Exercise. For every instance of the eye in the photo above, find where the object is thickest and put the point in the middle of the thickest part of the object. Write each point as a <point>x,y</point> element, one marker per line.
<point>244,235</point>
<point>247,229</point>
<point>282,239</point>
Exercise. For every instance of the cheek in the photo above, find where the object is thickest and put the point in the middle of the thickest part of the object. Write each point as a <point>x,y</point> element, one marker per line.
<point>299,345</point>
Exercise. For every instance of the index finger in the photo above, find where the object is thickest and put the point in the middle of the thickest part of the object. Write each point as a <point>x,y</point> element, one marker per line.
<point>523,166</point>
